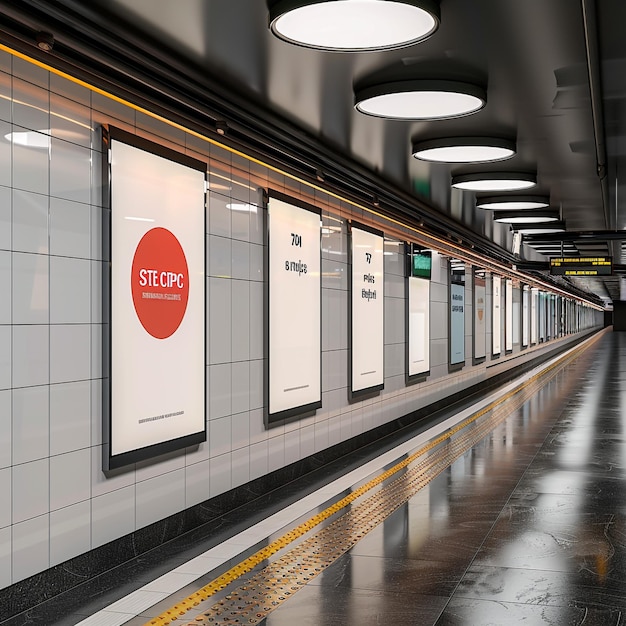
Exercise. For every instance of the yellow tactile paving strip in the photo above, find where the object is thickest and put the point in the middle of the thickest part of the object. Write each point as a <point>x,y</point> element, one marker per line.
<point>275,583</point>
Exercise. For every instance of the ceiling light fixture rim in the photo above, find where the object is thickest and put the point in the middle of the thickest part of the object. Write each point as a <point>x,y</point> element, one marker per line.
<point>279,8</point>
<point>476,177</point>
<point>468,141</point>
<point>420,85</point>
<point>540,201</point>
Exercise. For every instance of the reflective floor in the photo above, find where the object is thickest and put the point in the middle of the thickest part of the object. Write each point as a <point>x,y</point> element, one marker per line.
<point>529,526</point>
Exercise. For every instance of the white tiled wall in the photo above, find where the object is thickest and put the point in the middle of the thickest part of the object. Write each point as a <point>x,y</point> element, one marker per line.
<point>56,501</point>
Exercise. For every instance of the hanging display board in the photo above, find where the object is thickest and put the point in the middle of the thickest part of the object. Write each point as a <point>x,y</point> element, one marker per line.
<point>581,266</point>
<point>155,394</point>
<point>496,321</point>
<point>421,263</point>
<point>367,311</point>
<point>294,316</point>
<point>480,316</point>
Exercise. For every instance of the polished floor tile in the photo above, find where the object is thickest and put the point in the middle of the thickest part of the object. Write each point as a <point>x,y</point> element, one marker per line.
<point>469,612</point>
<point>318,606</point>
<point>528,527</point>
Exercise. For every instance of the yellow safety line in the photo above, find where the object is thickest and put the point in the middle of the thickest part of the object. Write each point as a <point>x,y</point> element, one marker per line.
<point>247,565</point>
<point>461,252</point>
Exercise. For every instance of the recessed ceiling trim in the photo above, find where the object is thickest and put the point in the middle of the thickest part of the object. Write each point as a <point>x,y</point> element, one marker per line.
<point>420,99</point>
<point>495,181</point>
<point>464,149</point>
<point>354,25</point>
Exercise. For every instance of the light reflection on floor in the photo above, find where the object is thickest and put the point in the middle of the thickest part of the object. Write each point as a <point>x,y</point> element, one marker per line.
<point>529,526</point>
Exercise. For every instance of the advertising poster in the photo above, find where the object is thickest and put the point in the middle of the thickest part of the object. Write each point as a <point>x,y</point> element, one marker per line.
<point>496,321</point>
<point>534,315</point>
<point>516,314</point>
<point>525,316</point>
<point>508,315</point>
<point>156,400</point>
<point>367,316</point>
<point>294,270</point>
<point>542,308</point>
<point>419,326</point>
<point>480,317</point>
<point>457,323</point>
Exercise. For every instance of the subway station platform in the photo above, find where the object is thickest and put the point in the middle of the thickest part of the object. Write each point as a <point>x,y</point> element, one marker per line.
<point>508,511</point>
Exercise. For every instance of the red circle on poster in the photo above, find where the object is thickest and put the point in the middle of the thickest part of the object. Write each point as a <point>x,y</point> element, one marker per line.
<point>160,282</point>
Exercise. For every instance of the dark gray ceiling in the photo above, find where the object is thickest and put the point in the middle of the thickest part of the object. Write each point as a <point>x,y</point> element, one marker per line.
<point>546,63</point>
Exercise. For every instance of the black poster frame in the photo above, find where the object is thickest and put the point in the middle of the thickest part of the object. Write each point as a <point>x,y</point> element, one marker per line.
<point>455,367</point>
<point>412,379</point>
<point>368,392</point>
<point>304,410</point>
<point>477,360</point>
<point>125,459</point>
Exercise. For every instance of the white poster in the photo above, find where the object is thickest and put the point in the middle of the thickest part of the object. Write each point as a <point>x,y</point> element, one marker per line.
<point>419,326</point>
<point>480,317</point>
<point>367,310</point>
<point>294,308</point>
<point>516,315</point>
<point>496,322</point>
<point>525,316</point>
<point>534,312</point>
<point>158,371</point>
<point>508,315</point>
<point>541,308</point>
<point>457,323</point>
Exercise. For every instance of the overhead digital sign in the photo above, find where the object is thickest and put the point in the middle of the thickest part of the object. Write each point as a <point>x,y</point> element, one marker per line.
<point>155,392</point>
<point>581,266</point>
<point>421,263</point>
<point>367,311</point>
<point>294,317</point>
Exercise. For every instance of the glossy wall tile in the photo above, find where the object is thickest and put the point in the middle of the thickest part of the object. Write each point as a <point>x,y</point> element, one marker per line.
<point>53,258</point>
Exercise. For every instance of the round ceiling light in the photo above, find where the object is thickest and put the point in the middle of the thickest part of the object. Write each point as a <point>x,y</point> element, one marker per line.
<point>512,203</point>
<point>420,99</point>
<point>464,149</point>
<point>495,181</point>
<point>353,25</point>
<point>538,216</point>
